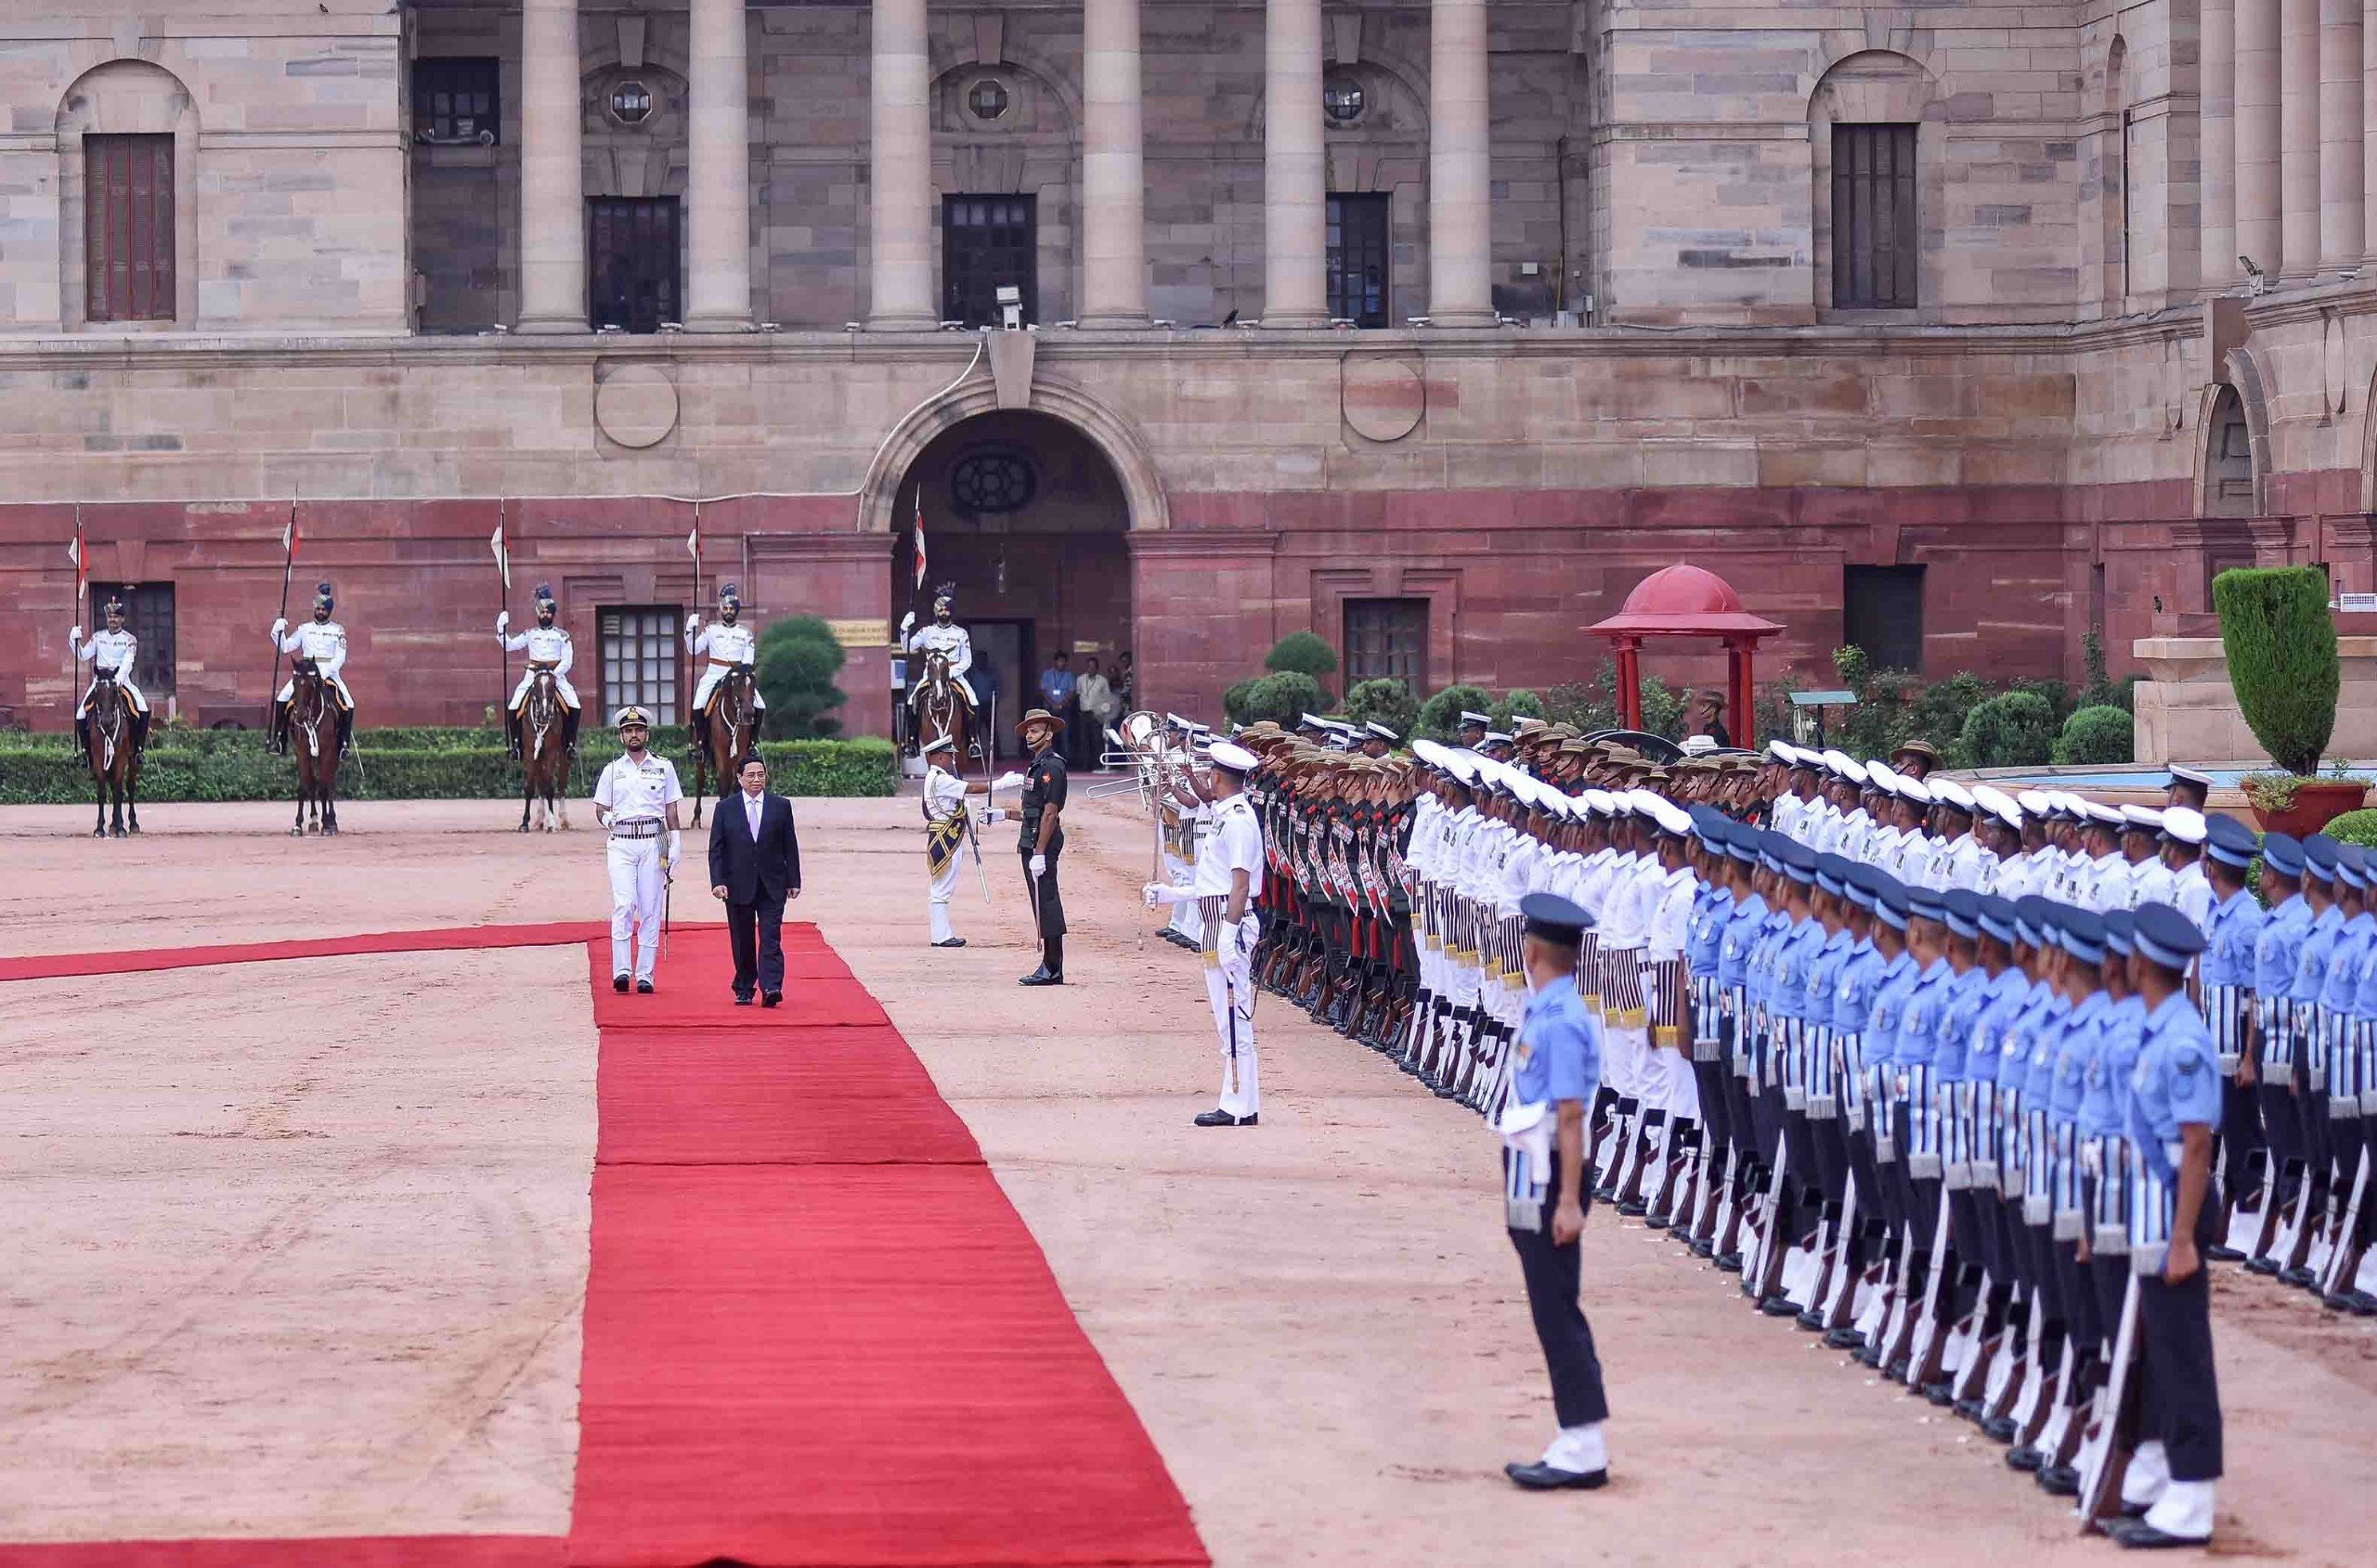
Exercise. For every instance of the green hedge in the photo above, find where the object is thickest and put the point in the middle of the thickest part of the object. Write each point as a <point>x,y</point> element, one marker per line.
<point>229,765</point>
<point>2099,734</point>
<point>2354,827</point>
<point>2014,730</point>
<point>1384,701</point>
<point>1285,698</point>
<point>1440,715</point>
<point>2281,646</point>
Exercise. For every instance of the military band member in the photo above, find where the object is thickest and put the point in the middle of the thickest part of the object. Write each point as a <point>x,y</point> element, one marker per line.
<point>549,648</point>
<point>321,641</point>
<point>1556,1077</point>
<point>1043,839</point>
<point>114,653</point>
<point>731,646</point>
<point>636,798</point>
<point>1227,884</point>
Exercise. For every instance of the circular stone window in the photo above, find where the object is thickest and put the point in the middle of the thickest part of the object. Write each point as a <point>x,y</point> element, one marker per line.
<point>988,100</point>
<point>1342,100</point>
<point>992,481</point>
<point>632,103</point>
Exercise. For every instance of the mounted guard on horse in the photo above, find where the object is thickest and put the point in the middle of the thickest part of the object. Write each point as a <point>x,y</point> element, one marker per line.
<point>113,653</point>
<point>945,652</point>
<point>550,653</point>
<point>320,642</point>
<point>728,691</point>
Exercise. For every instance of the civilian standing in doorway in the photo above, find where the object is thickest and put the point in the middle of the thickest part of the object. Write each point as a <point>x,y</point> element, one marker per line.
<point>754,870</point>
<point>1059,689</point>
<point>1094,700</point>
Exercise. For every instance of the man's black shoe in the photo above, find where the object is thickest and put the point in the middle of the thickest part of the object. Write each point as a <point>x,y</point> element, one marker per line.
<point>2220,1254</point>
<point>1540,1477</point>
<point>2137,1532</point>
<point>950,942</point>
<point>620,983</point>
<point>2060,1480</point>
<point>1219,1118</point>
<point>1042,977</point>
<point>2000,1428</point>
<point>643,988</point>
<point>771,999</point>
<point>1844,1339</point>
<point>2261,1265</point>
<point>742,999</point>
<point>2027,1457</point>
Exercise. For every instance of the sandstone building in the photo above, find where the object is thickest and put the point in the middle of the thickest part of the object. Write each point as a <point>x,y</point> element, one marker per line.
<point>1432,325</point>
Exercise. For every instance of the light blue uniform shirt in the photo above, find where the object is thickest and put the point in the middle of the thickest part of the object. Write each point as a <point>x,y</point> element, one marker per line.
<point>1559,1047</point>
<point>2104,1107</point>
<point>2175,1083</point>
<point>2228,951</point>
<point>1920,1020</point>
<point>2073,1052</point>
<point>1892,987</point>
<point>1741,933</point>
<point>1968,994</point>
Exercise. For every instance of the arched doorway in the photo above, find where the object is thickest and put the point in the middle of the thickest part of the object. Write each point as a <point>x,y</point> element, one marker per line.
<point>1025,515</point>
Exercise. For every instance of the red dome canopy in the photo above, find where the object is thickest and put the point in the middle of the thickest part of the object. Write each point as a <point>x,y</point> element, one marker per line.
<point>1683,600</point>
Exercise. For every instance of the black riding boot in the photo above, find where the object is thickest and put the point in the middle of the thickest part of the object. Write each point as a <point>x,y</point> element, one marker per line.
<point>512,732</point>
<point>83,733</point>
<point>278,742</point>
<point>139,734</point>
<point>701,733</point>
<point>346,730</point>
<point>568,731</point>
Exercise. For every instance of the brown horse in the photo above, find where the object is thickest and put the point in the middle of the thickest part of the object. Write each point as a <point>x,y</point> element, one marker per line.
<point>941,709</point>
<point>108,750</point>
<point>313,732</point>
<point>544,758</point>
<point>734,731</point>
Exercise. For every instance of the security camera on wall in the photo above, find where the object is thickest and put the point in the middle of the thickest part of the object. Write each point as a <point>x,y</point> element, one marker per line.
<point>1010,307</point>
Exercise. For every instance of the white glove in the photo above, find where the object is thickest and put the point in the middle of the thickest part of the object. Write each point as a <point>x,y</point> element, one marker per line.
<point>693,623</point>
<point>676,848</point>
<point>1039,865</point>
<point>906,621</point>
<point>503,622</point>
<point>281,626</point>
<point>1163,893</point>
<point>74,634</point>
<point>992,815</point>
<point>1007,781</point>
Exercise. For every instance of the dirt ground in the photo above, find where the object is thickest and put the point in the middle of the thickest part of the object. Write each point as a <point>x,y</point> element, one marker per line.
<point>1320,1319</point>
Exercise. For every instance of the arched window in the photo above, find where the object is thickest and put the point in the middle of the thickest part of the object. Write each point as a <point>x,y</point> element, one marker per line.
<point>126,138</point>
<point>1874,136</point>
<point>2228,459</point>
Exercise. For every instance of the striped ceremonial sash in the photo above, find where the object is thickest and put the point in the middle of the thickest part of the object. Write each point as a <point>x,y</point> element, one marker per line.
<point>2115,1175</point>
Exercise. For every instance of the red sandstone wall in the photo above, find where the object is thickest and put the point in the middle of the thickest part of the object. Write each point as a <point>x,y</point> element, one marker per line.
<point>2017,574</point>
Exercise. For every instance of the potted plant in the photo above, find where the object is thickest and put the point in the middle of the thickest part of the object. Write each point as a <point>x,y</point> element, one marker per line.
<point>2280,643</point>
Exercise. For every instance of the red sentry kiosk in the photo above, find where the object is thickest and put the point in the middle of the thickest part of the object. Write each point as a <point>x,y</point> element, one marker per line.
<point>1683,600</point>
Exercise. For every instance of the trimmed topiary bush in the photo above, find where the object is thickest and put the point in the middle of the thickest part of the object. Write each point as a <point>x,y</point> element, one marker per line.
<point>1303,651</point>
<point>1384,701</point>
<point>1283,699</point>
<point>2354,827</point>
<point>2016,729</point>
<point>1440,715</point>
<point>797,662</point>
<point>1234,702</point>
<point>2104,733</point>
<point>2281,647</point>
<point>1511,707</point>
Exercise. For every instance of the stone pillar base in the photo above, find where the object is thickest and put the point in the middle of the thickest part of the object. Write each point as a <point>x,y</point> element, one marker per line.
<point>903,321</point>
<point>1295,318</point>
<point>551,326</point>
<point>1115,323</point>
<point>721,322</point>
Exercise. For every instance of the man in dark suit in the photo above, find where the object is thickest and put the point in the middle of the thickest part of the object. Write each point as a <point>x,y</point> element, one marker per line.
<point>754,867</point>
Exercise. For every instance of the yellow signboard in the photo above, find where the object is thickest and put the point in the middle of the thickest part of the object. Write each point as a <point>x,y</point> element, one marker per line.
<point>860,633</point>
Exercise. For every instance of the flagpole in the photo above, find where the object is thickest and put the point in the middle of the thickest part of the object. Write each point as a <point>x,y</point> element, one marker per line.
<point>287,562</point>
<point>691,678</point>
<point>81,603</point>
<point>502,606</point>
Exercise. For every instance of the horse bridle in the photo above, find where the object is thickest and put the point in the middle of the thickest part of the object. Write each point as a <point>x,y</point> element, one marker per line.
<point>545,685</point>
<point>312,725</point>
<point>109,726</point>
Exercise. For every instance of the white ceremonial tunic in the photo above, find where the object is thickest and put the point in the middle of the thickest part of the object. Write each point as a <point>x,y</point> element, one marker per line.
<point>944,803</point>
<point>544,645</point>
<point>637,795</point>
<point>953,642</point>
<point>727,646</point>
<point>1236,845</point>
<point>110,653</point>
<point>325,644</point>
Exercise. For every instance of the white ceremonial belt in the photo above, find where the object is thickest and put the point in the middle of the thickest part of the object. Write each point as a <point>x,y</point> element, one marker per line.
<point>1526,1131</point>
<point>642,827</point>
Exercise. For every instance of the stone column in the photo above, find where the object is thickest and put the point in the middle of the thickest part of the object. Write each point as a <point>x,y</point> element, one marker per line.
<point>1460,226</point>
<point>901,171</point>
<point>2298,148</point>
<point>1113,178</point>
<point>2257,176</point>
<point>2217,260</point>
<point>1295,171</point>
<point>717,185</point>
<point>2342,217</point>
<point>552,199</point>
<point>2369,124</point>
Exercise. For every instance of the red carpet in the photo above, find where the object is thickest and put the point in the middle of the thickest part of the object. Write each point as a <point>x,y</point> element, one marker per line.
<point>444,939</point>
<point>817,1335</point>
